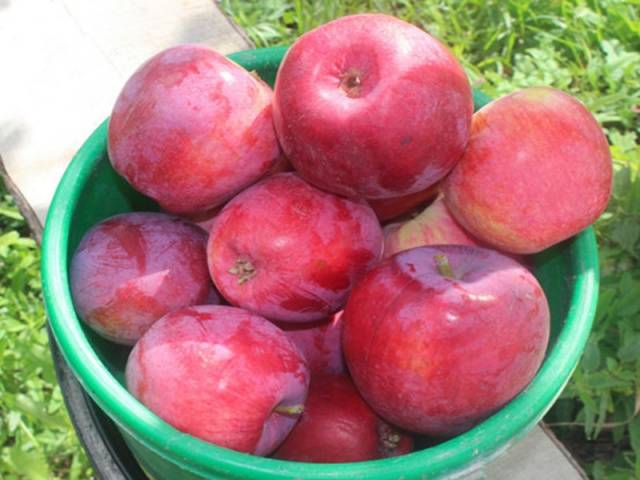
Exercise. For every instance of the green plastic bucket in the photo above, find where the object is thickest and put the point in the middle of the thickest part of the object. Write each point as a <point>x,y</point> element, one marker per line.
<point>91,191</point>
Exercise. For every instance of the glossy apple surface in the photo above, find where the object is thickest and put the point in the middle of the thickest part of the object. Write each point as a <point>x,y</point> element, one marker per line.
<point>370,106</point>
<point>191,128</point>
<point>204,219</point>
<point>438,338</point>
<point>289,251</point>
<point>338,426</point>
<point>133,268</point>
<point>390,208</point>
<point>537,171</point>
<point>434,226</point>
<point>221,374</point>
<point>320,343</point>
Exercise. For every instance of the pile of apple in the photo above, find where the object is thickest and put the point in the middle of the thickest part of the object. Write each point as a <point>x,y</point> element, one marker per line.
<point>333,339</point>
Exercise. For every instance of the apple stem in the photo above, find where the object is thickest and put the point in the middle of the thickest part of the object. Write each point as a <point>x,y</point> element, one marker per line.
<point>351,82</point>
<point>289,409</point>
<point>389,439</point>
<point>244,270</point>
<point>444,267</point>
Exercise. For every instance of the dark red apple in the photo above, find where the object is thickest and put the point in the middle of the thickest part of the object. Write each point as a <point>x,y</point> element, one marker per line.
<point>338,426</point>
<point>390,208</point>
<point>537,171</point>
<point>132,269</point>
<point>290,252</point>
<point>434,226</point>
<point>438,338</point>
<point>191,129</point>
<point>320,343</point>
<point>371,106</point>
<point>222,374</point>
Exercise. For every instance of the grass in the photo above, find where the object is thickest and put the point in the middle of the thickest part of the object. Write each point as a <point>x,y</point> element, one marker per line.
<point>37,441</point>
<point>589,48</point>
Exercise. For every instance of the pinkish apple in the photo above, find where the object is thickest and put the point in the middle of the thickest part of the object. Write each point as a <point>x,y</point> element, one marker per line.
<point>338,426</point>
<point>537,171</point>
<point>221,374</point>
<point>291,252</point>
<point>434,226</point>
<point>320,343</point>
<point>438,338</point>
<point>371,106</point>
<point>191,129</point>
<point>132,269</point>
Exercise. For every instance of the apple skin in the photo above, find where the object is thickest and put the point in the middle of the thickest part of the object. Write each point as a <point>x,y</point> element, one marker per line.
<point>370,106</point>
<point>204,219</point>
<point>131,269</point>
<point>289,251</point>
<point>434,226</point>
<point>390,208</point>
<point>320,343</point>
<point>437,355</point>
<point>191,128</point>
<point>218,373</point>
<point>537,171</point>
<point>338,426</point>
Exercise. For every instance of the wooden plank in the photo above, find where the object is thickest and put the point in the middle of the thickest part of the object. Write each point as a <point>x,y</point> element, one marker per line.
<point>536,457</point>
<point>66,62</point>
<point>34,223</point>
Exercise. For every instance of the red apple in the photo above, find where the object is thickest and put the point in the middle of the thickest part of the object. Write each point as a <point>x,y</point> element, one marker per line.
<point>204,219</point>
<point>191,128</point>
<point>438,338</point>
<point>434,226</point>
<point>537,171</point>
<point>338,426</point>
<point>291,252</point>
<point>222,374</point>
<point>320,343</point>
<point>371,106</point>
<point>390,208</point>
<point>132,269</point>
